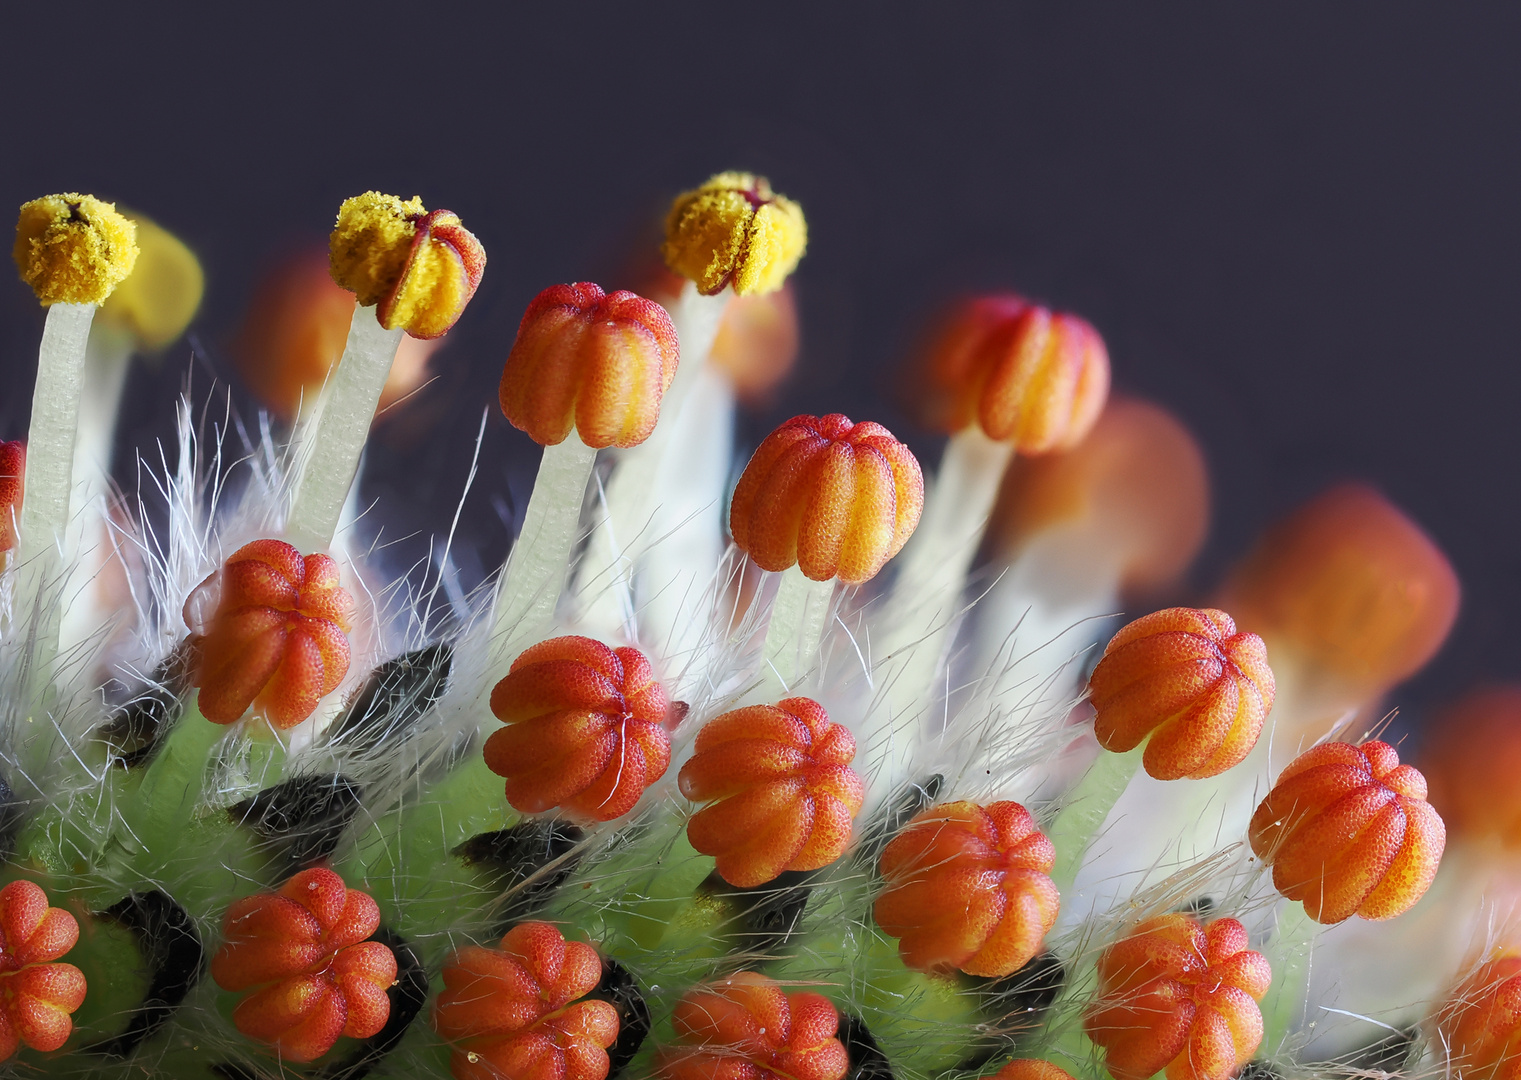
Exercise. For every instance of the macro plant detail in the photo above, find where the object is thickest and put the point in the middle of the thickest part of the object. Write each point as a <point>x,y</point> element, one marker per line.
<point>37,994</point>
<point>1480,1024</point>
<point>746,1027</point>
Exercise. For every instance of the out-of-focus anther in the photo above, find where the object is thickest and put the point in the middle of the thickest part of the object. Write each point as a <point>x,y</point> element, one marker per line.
<point>1471,762</point>
<point>156,301</point>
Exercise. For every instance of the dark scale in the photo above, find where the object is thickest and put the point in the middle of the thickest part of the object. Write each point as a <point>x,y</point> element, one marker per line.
<point>393,698</point>
<point>1015,1004</point>
<point>301,819</point>
<point>529,862</point>
<point>137,728</point>
<point>620,989</point>
<point>767,916</point>
<point>172,949</point>
<point>867,1061</point>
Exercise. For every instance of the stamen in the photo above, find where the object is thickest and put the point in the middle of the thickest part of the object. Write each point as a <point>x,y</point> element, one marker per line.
<point>746,1027</point>
<point>36,994</point>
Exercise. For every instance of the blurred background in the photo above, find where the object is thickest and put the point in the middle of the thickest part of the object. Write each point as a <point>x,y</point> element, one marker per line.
<point>1296,225</point>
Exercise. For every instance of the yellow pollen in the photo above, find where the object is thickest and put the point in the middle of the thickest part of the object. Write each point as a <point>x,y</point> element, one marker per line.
<point>73,249</point>
<point>160,297</point>
<point>734,230</point>
<point>370,245</point>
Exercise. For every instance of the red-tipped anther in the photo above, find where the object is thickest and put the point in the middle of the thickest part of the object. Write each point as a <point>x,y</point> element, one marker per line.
<point>1185,677</point>
<point>599,363</point>
<point>1353,585</point>
<point>12,480</point>
<point>1026,375</point>
<point>757,342</point>
<point>1347,829</point>
<point>746,1028</point>
<point>278,637</point>
<point>1471,763</point>
<point>1031,1069</point>
<point>784,795</point>
<point>36,995</point>
<point>1480,1026</point>
<point>305,953</point>
<point>1179,996</point>
<point>968,888</point>
<point>515,1012</point>
<point>583,729</point>
<point>834,498</point>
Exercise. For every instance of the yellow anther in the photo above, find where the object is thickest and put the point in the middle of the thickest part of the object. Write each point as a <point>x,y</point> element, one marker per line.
<point>160,297</point>
<point>73,249</point>
<point>734,230</point>
<point>371,242</point>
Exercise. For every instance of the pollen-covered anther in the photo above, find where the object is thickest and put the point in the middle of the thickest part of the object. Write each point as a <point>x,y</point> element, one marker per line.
<point>1180,996</point>
<point>1480,1026</point>
<point>584,729</point>
<point>1028,376</point>
<point>12,485</point>
<point>968,888</point>
<point>783,794</point>
<point>277,639</point>
<point>418,267</point>
<point>746,1028</point>
<point>591,361</point>
<point>1348,831</point>
<point>73,248</point>
<point>1031,1069</point>
<point>305,954</point>
<point>1187,679</point>
<point>834,498</point>
<point>37,995</point>
<point>735,231</point>
<point>515,1012</point>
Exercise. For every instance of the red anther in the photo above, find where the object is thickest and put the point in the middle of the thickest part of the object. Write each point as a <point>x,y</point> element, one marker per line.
<point>746,1028</point>
<point>1028,376</point>
<point>1471,763</point>
<point>1185,677</point>
<point>1480,1026</point>
<point>968,888</point>
<point>1179,996</point>
<point>1347,829</point>
<point>515,1012</point>
<point>36,995</point>
<point>305,953</point>
<point>583,729</point>
<point>277,640</point>
<point>1031,1069</point>
<point>599,363</point>
<point>836,499</point>
<point>12,480</point>
<point>784,795</point>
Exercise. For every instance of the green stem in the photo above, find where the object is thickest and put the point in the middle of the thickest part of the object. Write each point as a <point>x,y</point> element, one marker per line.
<point>798,617</point>
<point>1084,810</point>
<point>1283,1007</point>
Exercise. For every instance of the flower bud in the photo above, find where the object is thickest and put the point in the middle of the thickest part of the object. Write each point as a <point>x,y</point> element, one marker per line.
<point>783,794</point>
<point>1031,1069</point>
<point>591,361</point>
<point>834,498</point>
<point>757,342</point>
<point>734,230</point>
<point>160,297</point>
<point>1026,375</point>
<point>36,995</point>
<point>73,249</point>
<point>1187,679</point>
<point>1347,829</point>
<point>1471,761</point>
<point>745,1028</point>
<point>305,953</point>
<point>515,1012</point>
<point>583,729</point>
<point>418,268</point>
<point>1179,996</point>
<point>12,483</point>
<point>968,888</point>
<point>278,637</point>
<point>1480,1027</point>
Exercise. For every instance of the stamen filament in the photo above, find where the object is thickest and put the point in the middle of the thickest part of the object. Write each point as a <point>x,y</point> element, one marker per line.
<point>798,617</point>
<point>1084,810</point>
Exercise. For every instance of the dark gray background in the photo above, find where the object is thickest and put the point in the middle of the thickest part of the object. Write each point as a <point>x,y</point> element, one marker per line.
<point>1295,224</point>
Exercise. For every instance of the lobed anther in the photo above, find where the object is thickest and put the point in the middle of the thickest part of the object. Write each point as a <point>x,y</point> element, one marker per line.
<point>783,795</point>
<point>37,995</point>
<point>1178,996</point>
<point>515,1012</point>
<point>746,1028</point>
<point>968,888</point>
<point>73,248</point>
<point>1031,1069</point>
<point>12,487</point>
<point>584,729</point>
<point>1480,1026</point>
<point>734,231</point>
<point>1187,680</point>
<point>594,362</point>
<point>305,954</point>
<point>1348,831</point>
<point>834,498</point>
<point>277,639</point>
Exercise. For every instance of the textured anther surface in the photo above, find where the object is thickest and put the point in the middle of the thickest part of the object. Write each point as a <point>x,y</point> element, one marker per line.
<point>1480,1026</point>
<point>585,359</point>
<point>12,485</point>
<point>783,794</point>
<point>1187,679</point>
<point>834,498</point>
<point>37,995</point>
<point>1031,1069</point>
<point>1348,831</point>
<point>746,1028</point>
<point>584,729</point>
<point>735,231</point>
<point>73,248</point>
<point>968,888</point>
<point>1180,996</point>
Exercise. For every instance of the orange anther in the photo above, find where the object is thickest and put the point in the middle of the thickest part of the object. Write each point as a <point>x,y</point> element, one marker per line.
<point>12,481</point>
<point>305,953</point>
<point>278,637</point>
<point>1031,1069</point>
<point>1186,678</point>
<point>1347,829</point>
<point>968,888</point>
<point>784,795</point>
<point>583,729</point>
<point>1179,996</point>
<point>745,1028</point>
<point>757,342</point>
<point>515,1012</point>
<point>1480,1027</point>
<point>36,995</point>
<point>834,498</point>
<point>1471,762</point>
<point>599,363</point>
